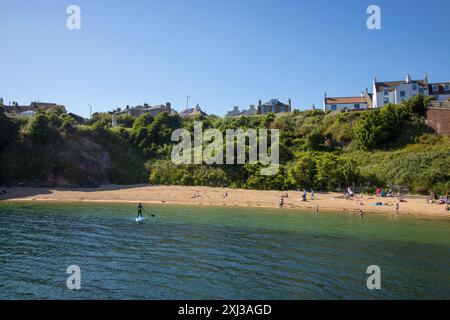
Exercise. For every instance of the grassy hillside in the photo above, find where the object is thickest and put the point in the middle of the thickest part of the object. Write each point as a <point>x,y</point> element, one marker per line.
<point>319,150</point>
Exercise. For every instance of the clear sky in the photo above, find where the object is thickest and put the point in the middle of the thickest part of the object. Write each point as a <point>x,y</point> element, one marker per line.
<point>220,52</point>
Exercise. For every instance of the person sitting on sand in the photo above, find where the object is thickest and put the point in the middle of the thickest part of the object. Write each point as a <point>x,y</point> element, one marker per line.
<point>390,193</point>
<point>140,208</point>
<point>225,195</point>
<point>349,193</point>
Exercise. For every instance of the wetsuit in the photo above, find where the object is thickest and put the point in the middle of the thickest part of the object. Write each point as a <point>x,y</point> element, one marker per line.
<point>140,208</point>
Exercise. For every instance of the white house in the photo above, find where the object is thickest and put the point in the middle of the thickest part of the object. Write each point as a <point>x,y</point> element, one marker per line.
<point>440,91</point>
<point>398,91</point>
<point>348,103</point>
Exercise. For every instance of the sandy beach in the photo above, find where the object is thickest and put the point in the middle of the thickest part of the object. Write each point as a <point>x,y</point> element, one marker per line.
<point>414,205</point>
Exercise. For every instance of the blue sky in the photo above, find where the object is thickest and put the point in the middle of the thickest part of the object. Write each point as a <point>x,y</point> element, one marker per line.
<point>220,52</point>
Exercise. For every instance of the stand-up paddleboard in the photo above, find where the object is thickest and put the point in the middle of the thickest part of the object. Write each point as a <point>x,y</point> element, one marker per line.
<point>139,219</point>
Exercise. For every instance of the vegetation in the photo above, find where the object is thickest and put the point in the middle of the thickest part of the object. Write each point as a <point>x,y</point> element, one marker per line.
<point>320,150</point>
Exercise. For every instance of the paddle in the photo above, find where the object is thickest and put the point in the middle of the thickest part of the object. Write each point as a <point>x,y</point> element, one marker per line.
<point>149,213</point>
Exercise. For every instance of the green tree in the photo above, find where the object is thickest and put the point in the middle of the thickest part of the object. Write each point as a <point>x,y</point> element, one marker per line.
<point>303,173</point>
<point>41,131</point>
<point>377,127</point>
<point>417,105</point>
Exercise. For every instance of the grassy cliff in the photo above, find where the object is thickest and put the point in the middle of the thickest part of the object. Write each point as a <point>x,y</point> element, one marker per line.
<point>320,150</point>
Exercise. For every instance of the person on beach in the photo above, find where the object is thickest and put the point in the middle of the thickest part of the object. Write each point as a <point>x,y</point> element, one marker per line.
<point>397,206</point>
<point>140,208</point>
<point>361,213</point>
<point>349,192</point>
<point>304,195</point>
<point>312,194</point>
<point>317,209</point>
<point>281,202</point>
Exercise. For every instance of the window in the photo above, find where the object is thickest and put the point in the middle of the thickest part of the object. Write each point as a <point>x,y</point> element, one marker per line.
<point>414,86</point>
<point>333,107</point>
<point>402,94</point>
<point>446,87</point>
<point>421,90</point>
<point>386,92</point>
<point>386,100</point>
<point>435,87</point>
<point>356,106</point>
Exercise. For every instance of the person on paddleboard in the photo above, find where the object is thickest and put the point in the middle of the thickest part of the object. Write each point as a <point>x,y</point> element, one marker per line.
<point>140,208</point>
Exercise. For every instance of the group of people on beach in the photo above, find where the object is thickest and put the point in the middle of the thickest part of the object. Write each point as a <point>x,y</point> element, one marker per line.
<point>304,197</point>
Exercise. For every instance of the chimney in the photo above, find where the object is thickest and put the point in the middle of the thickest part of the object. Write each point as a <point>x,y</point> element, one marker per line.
<point>408,78</point>
<point>290,103</point>
<point>259,102</point>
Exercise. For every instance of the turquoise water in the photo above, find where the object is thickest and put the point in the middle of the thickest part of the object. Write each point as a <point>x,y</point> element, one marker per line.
<point>217,253</point>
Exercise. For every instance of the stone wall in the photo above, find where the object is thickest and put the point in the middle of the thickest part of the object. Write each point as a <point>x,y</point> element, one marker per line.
<point>439,120</point>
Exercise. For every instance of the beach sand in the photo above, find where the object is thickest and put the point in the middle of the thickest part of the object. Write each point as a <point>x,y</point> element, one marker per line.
<point>414,205</point>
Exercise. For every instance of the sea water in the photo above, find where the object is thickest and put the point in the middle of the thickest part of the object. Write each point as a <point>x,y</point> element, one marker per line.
<point>200,252</point>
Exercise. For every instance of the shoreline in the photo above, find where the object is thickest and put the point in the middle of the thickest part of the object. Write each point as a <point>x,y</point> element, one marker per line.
<point>241,198</point>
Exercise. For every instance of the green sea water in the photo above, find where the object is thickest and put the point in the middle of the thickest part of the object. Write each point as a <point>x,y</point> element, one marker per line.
<point>194,252</point>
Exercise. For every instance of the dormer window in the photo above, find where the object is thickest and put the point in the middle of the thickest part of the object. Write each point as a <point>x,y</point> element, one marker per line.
<point>435,87</point>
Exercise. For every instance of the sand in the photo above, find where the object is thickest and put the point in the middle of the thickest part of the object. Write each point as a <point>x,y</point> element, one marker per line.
<point>414,205</point>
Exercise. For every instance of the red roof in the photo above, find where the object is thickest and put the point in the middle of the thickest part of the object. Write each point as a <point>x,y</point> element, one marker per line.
<point>345,100</point>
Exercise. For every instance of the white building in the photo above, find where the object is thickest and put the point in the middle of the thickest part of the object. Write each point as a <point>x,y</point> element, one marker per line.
<point>398,91</point>
<point>348,103</point>
<point>440,91</point>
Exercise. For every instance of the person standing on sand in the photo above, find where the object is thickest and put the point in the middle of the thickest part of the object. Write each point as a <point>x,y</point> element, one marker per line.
<point>312,194</point>
<point>304,195</point>
<point>282,202</point>
<point>397,207</point>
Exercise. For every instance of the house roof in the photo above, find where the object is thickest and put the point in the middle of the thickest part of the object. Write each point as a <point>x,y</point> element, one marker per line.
<point>275,103</point>
<point>392,85</point>
<point>345,100</point>
<point>191,112</point>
